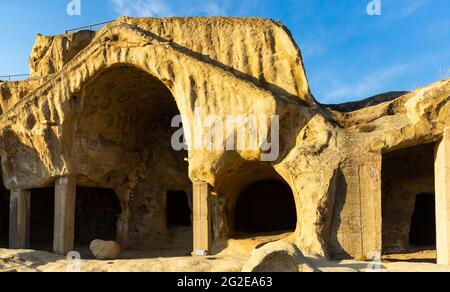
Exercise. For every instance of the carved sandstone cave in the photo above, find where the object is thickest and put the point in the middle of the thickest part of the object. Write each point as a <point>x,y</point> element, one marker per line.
<point>96,116</point>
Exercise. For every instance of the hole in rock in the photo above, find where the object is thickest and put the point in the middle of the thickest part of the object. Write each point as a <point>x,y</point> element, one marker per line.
<point>97,212</point>
<point>408,219</point>
<point>42,207</point>
<point>4,216</point>
<point>265,207</point>
<point>178,210</point>
<point>423,223</point>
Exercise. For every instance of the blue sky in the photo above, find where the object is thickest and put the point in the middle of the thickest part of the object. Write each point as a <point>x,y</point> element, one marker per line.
<point>348,54</point>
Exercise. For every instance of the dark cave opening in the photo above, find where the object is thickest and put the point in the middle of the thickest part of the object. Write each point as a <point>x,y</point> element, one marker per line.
<point>42,218</point>
<point>265,207</point>
<point>408,200</point>
<point>178,210</point>
<point>423,223</point>
<point>4,216</point>
<point>131,111</point>
<point>96,215</point>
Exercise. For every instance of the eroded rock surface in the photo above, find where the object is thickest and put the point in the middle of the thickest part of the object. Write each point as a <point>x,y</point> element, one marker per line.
<point>99,107</point>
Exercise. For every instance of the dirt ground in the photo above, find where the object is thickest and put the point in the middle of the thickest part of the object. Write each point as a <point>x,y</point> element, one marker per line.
<point>231,259</point>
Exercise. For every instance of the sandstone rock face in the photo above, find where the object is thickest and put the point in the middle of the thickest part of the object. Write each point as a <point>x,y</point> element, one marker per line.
<point>99,107</point>
<point>86,112</point>
<point>51,53</point>
<point>12,92</point>
<point>276,257</point>
<point>259,50</point>
<point>105,250</point>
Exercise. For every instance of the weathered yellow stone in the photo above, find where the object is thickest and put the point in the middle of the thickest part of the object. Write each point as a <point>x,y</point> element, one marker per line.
<point>99,105</point>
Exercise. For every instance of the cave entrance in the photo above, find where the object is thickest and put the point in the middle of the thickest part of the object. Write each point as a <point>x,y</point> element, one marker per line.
<point>423,223</point>
<point>96,214</point>
<point>178,209</point>
<point>126,128</point>
<point>42,208</point>
<point>408,204</point>
<point>4,216</point>
<point>265,207</point>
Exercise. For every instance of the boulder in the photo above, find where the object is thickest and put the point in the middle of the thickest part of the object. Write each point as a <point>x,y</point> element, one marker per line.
<point>277,257</point>
<point>105,250</point>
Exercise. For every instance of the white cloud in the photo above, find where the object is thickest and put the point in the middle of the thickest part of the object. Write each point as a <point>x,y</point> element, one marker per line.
<point>139,8</point>
<point>401,9</point>
<point>164,8</point>
<point>411,7</point>
<point>366,86</point>
<point>213,8</point>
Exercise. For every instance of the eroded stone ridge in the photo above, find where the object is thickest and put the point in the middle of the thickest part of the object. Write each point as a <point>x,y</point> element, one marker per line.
<point>99,108</point>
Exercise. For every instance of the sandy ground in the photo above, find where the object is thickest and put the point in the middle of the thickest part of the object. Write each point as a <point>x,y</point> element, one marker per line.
<point>39,261</point>
<point>234,255</point>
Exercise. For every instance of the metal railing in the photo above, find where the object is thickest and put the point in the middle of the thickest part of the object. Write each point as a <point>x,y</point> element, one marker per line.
<point>10,78</point>
<point>90,26</point>
<point>18,77</point>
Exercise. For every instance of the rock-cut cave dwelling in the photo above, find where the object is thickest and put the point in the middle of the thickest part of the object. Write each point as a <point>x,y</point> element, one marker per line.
<point>86,152</point>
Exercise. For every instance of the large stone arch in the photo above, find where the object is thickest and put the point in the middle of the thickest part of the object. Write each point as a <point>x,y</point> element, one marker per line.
<point>45,119</point>
<point>231,187</point>
<point>43,126</point>
<point>122,140</point>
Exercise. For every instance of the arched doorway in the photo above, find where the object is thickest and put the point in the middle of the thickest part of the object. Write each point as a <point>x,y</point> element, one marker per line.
<point>265,207</point>
<point>124,133</point>
<point>253,201</point>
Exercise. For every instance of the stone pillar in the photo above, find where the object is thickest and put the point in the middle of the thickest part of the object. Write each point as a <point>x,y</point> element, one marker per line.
<point>64,231</point>
<point>442,191</point>
<point>371,207</point>
<point>202,219</point>
<point>357,227</point>
<point>19,219</point>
